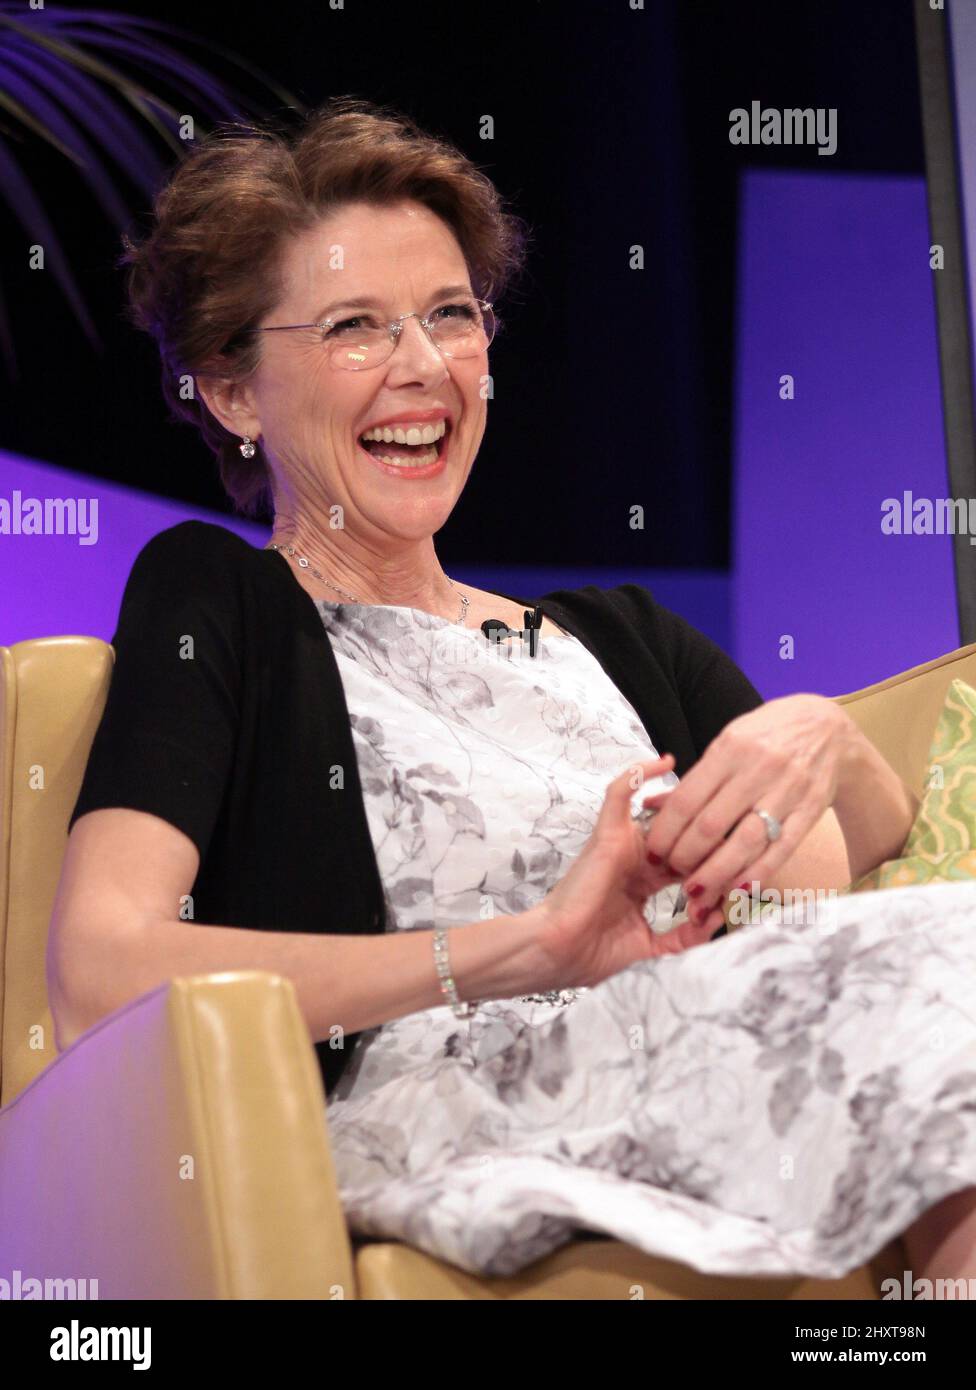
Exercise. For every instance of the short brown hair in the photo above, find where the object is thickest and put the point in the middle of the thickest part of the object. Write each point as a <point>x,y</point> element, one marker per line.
<point>209,269</point>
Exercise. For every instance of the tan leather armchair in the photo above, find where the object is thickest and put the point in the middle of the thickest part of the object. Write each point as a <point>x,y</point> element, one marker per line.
<point>180,1148</point>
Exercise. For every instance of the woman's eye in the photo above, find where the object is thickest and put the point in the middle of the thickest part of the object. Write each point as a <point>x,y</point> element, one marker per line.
<point>344,326</point>
<point>454,311</point>
<point>354,326</point>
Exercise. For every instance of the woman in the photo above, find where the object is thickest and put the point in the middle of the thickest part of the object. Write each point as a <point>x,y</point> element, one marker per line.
<point>434,834</point>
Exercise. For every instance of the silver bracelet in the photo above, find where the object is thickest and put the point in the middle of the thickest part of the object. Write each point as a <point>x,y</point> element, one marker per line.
<point>448,988</point>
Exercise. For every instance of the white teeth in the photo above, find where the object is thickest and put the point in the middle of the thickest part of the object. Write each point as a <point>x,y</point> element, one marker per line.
<point>409,434</point>
<point>418,461</point>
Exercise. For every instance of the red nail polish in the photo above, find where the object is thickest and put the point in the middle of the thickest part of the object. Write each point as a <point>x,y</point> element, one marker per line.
<point>694,889</point>
<point>653,858</point>
<point>746,887</point>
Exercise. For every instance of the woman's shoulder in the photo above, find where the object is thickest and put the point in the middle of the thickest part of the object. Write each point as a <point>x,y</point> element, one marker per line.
<point>198,569</point>
<point>195,555</point>
<point>202,540</point>
<point>621,603</point>
<point>622,613</point>
<point>627,602</point>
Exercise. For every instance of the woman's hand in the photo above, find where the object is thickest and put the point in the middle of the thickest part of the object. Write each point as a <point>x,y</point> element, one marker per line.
<point>789,757</point>
<point>591,924</point>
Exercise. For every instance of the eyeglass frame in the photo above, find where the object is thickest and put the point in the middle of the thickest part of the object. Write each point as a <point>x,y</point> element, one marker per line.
<point>394,328</point>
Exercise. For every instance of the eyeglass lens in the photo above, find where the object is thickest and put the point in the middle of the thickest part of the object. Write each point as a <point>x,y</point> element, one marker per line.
<point>459,328</point>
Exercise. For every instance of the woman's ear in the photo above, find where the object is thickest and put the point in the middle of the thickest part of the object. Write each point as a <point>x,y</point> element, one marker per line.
<point>229,402</point>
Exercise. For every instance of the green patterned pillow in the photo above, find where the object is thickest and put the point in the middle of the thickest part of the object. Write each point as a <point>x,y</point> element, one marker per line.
<point>941,844</point>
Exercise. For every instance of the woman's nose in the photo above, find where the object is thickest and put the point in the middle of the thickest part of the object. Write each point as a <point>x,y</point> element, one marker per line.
<point>415,347</point>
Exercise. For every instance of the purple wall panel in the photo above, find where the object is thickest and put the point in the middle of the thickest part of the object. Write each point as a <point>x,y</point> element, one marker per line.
<point>700,596</point>
<point>54,585</point>
<point>834,289</point>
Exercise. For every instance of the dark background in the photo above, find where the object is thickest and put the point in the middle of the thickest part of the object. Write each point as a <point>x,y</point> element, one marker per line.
<point>612,386</point>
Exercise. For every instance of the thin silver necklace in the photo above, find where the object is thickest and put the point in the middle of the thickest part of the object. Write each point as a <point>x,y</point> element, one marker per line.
<point>307,565</point>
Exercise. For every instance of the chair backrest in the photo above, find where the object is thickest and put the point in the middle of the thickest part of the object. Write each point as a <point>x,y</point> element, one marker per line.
<point>52,694</point>
<point>899,714</point>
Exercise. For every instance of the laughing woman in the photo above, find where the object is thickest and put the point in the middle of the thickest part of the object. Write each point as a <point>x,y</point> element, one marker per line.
<point>512,977</point>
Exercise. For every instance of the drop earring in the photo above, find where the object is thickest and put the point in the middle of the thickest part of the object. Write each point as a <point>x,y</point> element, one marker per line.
<point>247,448</point>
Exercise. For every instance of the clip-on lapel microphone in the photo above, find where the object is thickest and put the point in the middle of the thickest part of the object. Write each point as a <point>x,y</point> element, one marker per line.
<point>495,630</point>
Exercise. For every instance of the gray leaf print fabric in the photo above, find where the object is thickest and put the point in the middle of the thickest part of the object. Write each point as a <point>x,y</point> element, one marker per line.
<point>781,1101</point>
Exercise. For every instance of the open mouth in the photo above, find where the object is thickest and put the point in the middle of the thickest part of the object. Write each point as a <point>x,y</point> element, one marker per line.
<point>410,446</point>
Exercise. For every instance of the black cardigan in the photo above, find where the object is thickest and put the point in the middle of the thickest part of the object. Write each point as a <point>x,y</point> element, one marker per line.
<point>226,717</point>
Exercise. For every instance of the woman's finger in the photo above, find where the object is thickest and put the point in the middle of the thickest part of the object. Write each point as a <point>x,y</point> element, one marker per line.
<point>745,856</point>
<point>728,809</point>
<point>682,938</point>
<point>686,801</point>
<point>775,854</point>
<point>621,790</point>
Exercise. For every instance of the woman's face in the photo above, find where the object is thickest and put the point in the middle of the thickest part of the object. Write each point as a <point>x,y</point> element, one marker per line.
<point>311,415</point>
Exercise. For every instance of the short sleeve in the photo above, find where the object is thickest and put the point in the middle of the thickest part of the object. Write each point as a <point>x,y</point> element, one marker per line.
<point>713,690</point>
<point>710,688</point>
<point>166,740</point>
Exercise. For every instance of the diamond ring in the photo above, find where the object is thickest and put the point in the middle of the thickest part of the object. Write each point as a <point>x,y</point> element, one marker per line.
<point>773,827</point>
<point>644,816</point>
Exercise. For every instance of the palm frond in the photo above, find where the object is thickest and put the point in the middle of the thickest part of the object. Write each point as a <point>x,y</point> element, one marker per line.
<point>40,230</point>
<point>85,99</point>
<point>58,89</point>
<point>52,120</point>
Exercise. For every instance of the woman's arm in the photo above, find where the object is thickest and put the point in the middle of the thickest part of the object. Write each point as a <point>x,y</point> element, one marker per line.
<point>799,757</point>
<point>869,822</point>
<point>350,982</point>
<point>116,933</point>
<point>875,809</point>
<point>821,861</point>
<point>872,813</point>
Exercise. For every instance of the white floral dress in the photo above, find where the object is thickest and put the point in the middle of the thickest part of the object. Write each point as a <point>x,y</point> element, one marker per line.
<point>783,1100</point>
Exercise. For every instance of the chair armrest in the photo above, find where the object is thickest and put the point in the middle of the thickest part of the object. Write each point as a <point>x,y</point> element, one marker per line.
<point>179,1149</point>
